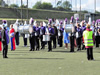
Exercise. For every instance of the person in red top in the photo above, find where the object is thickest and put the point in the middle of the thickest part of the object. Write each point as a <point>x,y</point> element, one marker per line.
<point>12,38</point>
<point>0,40</point>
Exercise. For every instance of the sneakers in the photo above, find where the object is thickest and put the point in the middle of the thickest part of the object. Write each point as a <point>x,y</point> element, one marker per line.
<point>17,45</point>
<point>66,48</point>
<point>91,59</point>
<point>25,45</point>
<point>30,50</point>
<point>5,57</point>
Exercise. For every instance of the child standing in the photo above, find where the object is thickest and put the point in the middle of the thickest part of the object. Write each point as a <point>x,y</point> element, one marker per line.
<point>12,38</point>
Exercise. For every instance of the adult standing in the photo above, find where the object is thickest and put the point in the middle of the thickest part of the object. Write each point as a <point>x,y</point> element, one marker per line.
<point>55,35</point>
<point>32,35</point>
<point>25,36</point>
<point>97,36</point>
<point>83,27</point>
<point>72,38</point>
<point>89,40</point>
<point>60,34</point>
<point>37,33</point>
<point>17,36</point>
<point>42,32</point>
<point>51,34</point>
<point>5,40</point>
<point>78,37</point>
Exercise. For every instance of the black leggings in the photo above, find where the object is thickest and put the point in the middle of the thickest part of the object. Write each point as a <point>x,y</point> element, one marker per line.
<point>90,53</point>
<point>5,49</point>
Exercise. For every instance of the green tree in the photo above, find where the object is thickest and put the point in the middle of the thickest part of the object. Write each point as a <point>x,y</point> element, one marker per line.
<point>63,6</point>
<point>38,5</point>
<point>59,3</point>
<point>60,8</point>
<point>97,12</point>
<point>43,5</point>
<point>0,2</point>
<point>23,6</point>
<point>66,5</point>
<point>46,5</point>
<point>13,6</point>
<point>6,5</point>
<point>85,11</point>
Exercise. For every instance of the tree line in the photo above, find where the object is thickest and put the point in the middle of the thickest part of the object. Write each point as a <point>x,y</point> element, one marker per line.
<point>45,5</point>
<point>62,6</point>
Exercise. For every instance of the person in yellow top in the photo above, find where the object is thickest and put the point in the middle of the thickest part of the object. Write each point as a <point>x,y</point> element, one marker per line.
<point>88,38</point>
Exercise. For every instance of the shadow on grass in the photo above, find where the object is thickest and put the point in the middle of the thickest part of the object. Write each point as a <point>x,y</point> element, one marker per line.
<point>40,58</point>
<point>64,51</point>
<point>96,60</point>
<point>21,52</point>
<point>17,54</point>
<point>24,46</point>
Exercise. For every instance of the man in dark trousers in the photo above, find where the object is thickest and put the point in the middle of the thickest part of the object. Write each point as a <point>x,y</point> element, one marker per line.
<point>17,38</point>
<point>51,34</point>
<point>60,34</point>
<point>55,35</point>
<point>37,37</point>
<point>72,36</point>
<point>25,40</point>
<point>5,41</point>
<point>97,36</point>
<point>32,37</point>
<point>42,32</point>
<point>78,37</point>
<point>72,42</point>
<point>83,27</point>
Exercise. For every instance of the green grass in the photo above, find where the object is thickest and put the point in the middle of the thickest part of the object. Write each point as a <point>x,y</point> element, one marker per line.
<point>57,62</point>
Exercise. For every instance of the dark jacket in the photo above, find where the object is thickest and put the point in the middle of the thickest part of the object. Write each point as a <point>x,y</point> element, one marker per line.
<point>4,36</point>
<point>55,31</point>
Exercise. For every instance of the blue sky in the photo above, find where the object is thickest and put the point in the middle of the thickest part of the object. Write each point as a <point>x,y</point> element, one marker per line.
<point>86,4</point>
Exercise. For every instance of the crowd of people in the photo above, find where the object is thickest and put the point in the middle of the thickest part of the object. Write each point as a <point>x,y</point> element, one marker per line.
<point>83,36</point>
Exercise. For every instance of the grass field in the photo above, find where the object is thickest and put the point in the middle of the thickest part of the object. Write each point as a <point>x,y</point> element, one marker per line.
<point>57,62</point>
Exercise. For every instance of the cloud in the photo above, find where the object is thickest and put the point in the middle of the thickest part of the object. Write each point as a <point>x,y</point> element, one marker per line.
<point>88,5</point>
<point>50,1</point>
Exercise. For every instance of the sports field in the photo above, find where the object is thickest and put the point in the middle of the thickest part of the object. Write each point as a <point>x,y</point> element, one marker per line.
<point>57,62</point>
